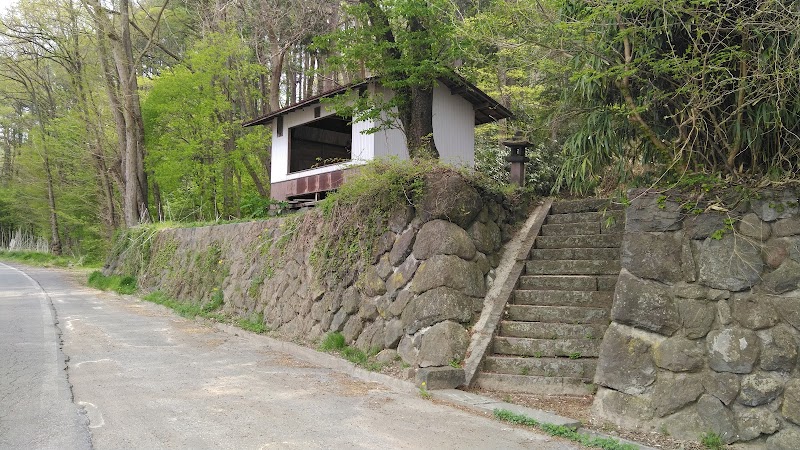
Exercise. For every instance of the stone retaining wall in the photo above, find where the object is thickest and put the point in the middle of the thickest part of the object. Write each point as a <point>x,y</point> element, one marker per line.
<point>704,334</point>
<point>421,290</point>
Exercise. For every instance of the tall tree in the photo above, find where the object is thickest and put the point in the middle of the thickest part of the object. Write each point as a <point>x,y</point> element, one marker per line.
<point>409,45</point>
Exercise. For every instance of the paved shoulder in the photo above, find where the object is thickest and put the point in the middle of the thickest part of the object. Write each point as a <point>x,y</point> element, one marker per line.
<point>36,408</point>
<point>151,379</point>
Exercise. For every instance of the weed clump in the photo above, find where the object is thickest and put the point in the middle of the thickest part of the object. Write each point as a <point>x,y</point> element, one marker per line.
<point>562,431</point>
<point>118,283</point>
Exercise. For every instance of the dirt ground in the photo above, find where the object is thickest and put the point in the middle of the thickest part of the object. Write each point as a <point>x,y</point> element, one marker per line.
<point>579,408</point>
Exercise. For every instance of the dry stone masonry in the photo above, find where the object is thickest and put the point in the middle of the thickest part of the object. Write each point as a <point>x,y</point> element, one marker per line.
<point>416,299</point>
<point>704,334</point>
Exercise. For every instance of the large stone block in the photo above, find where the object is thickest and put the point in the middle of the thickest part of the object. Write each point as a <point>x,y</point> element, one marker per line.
<point>440,237</point>
<point>679,354</point>
<point>486,236</point>
<point>440,377</point>
<point>371,283</point>
<point>701,226</point>
<point>450,271</point>
<point>785,439</point>
<point>448,196</point>
<point>403,274</point>
<point>402,247</point>
<point>717,418</point>
<point>732,263</point>
<point>790,310</point>
<point>724,386</point>
<point>783,279</point>
<point>786,227</point>
<point>434,306</point>
<point>759,389</point>
<point>697,317</point>
<point>753,422</point>
<point>775,252</point>
<point>779,349</point>
<point>382,245</point>
<point>644,304</point>
<point>656,256</point>
<point>652,212</point>
<point>625,362</point>
<point>622,409</point>
<point>751,226</point>
<point>351,300</point>
<point>674,391</point>
<point>776,205</point>
<point>442,344</point>
<point>754,311</point>
<point>790,409</point>
<point>733,350</point>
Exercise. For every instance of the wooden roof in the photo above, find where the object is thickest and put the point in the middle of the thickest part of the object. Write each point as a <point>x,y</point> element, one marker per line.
<point>486,108</point>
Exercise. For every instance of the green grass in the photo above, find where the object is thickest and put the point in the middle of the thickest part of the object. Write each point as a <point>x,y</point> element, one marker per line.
<point>711,441</point>
<point>44,259</point>
<point>254,324</point>
<point>335,342</point>
<point>189,310</point>
<point>562,431</point>
<point>209,310</point>
<point>118,283</point>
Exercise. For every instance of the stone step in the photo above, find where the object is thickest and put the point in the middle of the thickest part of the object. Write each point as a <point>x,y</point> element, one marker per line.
<point>557,314</point>
<point>570,229</point>
<point>582,368</point>
<point>574,253</point>
<point>568,282</point>
<point>545,330</point>
<point>581,241</point>
<point>597,299</point>
<point>584,205</point>
<point>535,385</point>
<point>572,267</point>
<point>538,348</point>
<point>610,218</point>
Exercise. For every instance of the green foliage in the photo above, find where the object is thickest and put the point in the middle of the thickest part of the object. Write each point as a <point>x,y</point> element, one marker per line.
<point>335,342</point>
<point>44,259</point>
<point>562,431</point>
<point>188,310</point>
<point>196,145</point>
<point>254,206</point>
<point>698,86</point>
<point>711,441</point>
<point>122,284</point>
<point>332,342</point>
<point>253,323</point>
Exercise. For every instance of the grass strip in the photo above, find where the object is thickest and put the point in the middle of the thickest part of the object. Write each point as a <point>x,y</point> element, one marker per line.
<point>117,283</point>
<point>562,431</point>
<point>42,259</point>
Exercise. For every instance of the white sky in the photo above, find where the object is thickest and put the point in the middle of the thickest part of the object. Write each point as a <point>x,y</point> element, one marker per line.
<point>4,4</point>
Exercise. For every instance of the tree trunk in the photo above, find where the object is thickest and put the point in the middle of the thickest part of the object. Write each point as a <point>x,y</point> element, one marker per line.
<point>275,72</point>
<point>417,120</point>
<point>135,192</point>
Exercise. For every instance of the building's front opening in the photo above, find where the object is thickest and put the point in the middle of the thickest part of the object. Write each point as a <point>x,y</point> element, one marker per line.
<point>321,143</point>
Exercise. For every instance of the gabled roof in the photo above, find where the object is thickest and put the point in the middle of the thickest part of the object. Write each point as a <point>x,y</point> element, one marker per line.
<point>486,108</point>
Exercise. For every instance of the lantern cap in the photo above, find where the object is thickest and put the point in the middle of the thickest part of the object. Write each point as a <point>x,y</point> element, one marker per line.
<point>517,141</point>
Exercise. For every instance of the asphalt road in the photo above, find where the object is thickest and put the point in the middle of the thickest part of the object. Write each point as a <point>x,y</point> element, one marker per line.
<point>148,379</point>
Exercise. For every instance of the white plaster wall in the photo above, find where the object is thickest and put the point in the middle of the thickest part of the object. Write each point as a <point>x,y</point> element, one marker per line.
<point>453,127</point>
<point>362,151</point>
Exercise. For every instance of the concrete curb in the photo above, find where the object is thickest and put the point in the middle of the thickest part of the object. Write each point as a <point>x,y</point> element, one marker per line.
<point>508,272</point>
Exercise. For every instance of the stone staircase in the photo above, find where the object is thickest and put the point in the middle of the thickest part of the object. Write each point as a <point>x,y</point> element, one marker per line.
<point>549,338</point>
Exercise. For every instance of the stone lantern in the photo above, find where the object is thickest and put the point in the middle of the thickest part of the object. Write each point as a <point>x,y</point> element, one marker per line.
<point>516,156</point>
